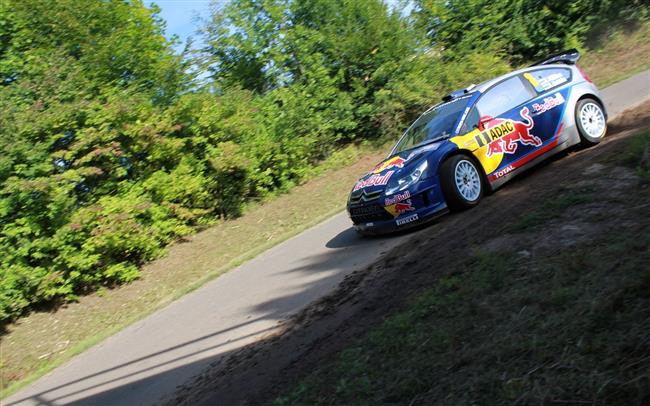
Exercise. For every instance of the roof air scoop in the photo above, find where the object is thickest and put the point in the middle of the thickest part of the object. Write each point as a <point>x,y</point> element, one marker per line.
<point>458,93</point>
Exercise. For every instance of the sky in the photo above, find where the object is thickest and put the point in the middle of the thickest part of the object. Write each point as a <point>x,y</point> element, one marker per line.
<point>181,16</point>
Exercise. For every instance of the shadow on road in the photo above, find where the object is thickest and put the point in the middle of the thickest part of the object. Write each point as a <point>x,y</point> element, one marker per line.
<point>77,386</point>
<point>350,238</point>
<point>346,238</point>
<point>143,379</point>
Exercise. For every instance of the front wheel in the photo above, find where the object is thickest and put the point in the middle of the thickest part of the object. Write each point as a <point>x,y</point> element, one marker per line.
<point>590,120</point>
<point>461,182</point>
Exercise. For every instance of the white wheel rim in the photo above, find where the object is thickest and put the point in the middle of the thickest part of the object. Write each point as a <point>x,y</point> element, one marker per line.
<point>592,120</point>
<point>468,181</point>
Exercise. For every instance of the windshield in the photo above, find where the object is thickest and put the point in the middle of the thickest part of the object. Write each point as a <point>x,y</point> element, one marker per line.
<point>433,125</point>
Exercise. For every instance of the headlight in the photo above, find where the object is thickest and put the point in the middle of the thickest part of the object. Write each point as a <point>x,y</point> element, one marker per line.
<point>408,180</point>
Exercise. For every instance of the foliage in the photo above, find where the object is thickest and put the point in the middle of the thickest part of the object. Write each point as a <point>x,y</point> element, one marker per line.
<point>520,29</point>
<point>112,149</point>
<point>80,108</point>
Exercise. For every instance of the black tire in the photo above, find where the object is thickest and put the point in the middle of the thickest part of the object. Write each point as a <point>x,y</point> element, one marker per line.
<point>456,199</point>
<point>587,136</point>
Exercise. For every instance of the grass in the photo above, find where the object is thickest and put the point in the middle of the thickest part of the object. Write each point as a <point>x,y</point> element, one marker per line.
<point>43,340</point>
<point>638,155</point>
<point>564,198</point>
<point>499,328</point>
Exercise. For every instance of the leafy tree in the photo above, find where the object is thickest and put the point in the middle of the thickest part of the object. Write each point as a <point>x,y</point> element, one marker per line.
<point>112,150</point>
<point>519,29</point>
<point>115,42</point>
<point>76,83</point>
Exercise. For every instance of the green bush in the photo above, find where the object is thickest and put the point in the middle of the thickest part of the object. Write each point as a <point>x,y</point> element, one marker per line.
<point>112,150</point>
<point>521,30</point>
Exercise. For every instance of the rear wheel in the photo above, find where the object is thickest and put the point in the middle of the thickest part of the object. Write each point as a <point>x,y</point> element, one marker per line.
<point>462,182</point>
<point>590,120</point>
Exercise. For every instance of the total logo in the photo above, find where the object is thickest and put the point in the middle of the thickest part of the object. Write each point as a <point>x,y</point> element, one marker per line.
<point>502,172</point>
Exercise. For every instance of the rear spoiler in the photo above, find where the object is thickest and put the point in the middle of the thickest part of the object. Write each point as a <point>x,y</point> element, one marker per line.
<point>569,57</point>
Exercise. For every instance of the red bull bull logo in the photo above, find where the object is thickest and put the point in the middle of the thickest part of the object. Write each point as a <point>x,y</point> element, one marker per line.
<point>404,206</point>
<point>395,162</point>
<point>399,204</point>
<point>374,180</point>
<point>504,135</point>
<point>398,209</point>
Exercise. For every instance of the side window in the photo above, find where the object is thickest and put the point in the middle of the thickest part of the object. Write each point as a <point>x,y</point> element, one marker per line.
<point>506,95</point>
<point>545,79</point>
<point>471,121</point>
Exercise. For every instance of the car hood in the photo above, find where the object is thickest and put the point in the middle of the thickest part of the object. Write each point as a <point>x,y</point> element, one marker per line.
<point>391,168</point>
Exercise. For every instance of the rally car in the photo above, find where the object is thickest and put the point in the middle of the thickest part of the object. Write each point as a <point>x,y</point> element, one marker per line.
<point>476,140</point>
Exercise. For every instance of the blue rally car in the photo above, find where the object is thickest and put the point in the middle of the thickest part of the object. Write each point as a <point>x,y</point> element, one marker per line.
<point>477,139</point>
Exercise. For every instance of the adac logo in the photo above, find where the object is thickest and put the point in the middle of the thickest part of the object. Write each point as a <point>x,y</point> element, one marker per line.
<point>504,135</point>
<point>395,162</point>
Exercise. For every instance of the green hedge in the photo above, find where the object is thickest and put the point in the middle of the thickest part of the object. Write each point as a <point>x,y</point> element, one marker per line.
<point>112,150</point>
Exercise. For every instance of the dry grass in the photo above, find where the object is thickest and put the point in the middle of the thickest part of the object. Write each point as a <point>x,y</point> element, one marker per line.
<point>622,55</point>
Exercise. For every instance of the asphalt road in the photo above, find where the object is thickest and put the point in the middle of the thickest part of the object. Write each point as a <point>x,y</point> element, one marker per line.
<point>144,363</point>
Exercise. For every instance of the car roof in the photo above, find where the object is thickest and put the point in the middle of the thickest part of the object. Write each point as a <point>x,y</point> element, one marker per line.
<point>564,59</point>
<point>482,87</point>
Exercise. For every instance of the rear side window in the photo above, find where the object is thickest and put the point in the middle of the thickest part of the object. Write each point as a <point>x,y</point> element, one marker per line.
<point>506,95</point>
<point>503,97</point>
<point>546,79</point>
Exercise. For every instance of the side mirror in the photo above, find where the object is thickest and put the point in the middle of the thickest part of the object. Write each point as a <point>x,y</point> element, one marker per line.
<point>483,121</point>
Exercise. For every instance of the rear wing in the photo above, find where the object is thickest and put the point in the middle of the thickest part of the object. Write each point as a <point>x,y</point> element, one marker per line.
<point>569,57</point>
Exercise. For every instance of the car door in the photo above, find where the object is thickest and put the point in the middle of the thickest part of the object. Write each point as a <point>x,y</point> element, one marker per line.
<point>547,109</point>
<point>501,126</point>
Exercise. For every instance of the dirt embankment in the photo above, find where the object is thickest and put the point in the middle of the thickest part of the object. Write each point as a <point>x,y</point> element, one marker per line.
<point>260,372</point>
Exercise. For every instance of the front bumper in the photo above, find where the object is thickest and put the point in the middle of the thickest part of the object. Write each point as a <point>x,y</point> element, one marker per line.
<point>370,218</point>
<point>390,226</point>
